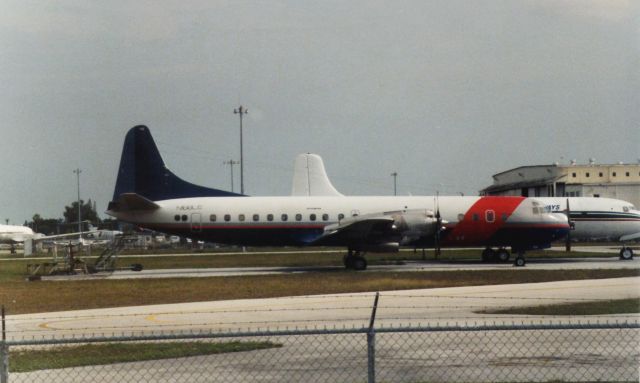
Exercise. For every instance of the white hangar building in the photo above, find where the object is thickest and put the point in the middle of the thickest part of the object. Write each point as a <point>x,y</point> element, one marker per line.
<point>620,181</point>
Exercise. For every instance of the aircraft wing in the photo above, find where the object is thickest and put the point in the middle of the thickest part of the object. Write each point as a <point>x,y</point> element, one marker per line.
<point>361,230</point>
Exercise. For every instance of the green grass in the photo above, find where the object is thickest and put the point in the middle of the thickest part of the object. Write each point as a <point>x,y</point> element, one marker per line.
<point>46,296</point>
<point>617,306</point>
<point>110,353</point>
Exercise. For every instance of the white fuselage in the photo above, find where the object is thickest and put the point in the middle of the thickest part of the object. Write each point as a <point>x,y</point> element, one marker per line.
<point>15,234</point>
<point>596,218</point>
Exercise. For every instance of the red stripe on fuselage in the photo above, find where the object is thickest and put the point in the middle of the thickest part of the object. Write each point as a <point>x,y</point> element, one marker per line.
<point>480,231</point>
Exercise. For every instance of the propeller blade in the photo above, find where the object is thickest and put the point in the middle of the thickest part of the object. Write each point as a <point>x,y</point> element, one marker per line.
<point>568,239</point>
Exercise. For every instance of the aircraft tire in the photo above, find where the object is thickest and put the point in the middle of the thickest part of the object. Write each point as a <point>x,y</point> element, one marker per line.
<point>519,262</point>
<point>626,254</point>
<point>488,255</point>
<point>359,263</point>
<point>503,255</point>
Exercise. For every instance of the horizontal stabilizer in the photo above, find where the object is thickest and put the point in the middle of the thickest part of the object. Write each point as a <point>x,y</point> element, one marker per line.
<point>132,202</point>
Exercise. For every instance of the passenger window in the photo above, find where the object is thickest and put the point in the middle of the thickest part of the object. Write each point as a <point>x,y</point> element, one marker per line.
<point>504,216</point>
<point>284,217</point>
<point>340,217</point>
<point>269,217</point>
<point>256,217</point>
<point>298,217</point>
<point>476,217</point>
<point>625,209</point>
<point>176,217</point>
<point>227,217</point>
<point>241,217</point>
<point>184,217</point>
<point>490,216</point>
<point>212,218</point>
<point>325,217</point>
<point>312,217</point>
<point>460,217</point>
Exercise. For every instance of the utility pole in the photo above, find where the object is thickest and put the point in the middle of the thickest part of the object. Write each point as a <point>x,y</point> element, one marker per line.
<point>231,163</point>
<point>395,177</point>
<point>241,111</point>
<point>77,172</point>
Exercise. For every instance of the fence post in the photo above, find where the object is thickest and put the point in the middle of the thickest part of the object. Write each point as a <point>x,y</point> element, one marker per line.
<point>371,344</point>
<point>4,362</point>
<point>4,352</point>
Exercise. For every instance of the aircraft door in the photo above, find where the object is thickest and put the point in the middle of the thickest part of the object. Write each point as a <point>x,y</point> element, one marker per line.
<point>196,222</point>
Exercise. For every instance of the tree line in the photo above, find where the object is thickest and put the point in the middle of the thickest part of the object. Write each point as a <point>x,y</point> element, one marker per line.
<point>69,223</point>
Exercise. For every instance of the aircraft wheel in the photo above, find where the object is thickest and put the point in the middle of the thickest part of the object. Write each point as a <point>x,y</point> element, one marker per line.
<point>504,255</point>
<point>488,255</point>
<point>519,262</point>
<point>626,253</point>
<point>359,263</point>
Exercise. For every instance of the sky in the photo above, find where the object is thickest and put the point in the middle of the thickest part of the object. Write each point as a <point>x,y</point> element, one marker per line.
<point>445,93</point>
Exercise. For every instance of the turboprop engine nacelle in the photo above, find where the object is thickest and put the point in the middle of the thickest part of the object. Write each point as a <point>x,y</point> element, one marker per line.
<point>415,224</point>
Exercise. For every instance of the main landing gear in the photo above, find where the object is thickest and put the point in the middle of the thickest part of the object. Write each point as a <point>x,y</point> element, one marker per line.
<point>626,253</point>
<point>502,255</point>
<point>354,260</point>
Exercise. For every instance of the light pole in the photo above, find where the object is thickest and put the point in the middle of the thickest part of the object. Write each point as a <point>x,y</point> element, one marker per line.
<point>231,163</point>
<point>77,172</point>
<point>241,111</point>
<point>395,177</point>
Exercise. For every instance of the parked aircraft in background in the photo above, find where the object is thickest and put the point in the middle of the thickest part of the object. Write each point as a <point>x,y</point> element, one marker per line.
<point>151,196</point>
<point>591,218</point>
<point>13,235</point>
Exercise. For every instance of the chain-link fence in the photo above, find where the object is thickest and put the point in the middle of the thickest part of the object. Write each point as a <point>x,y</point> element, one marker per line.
<point>500,353</point>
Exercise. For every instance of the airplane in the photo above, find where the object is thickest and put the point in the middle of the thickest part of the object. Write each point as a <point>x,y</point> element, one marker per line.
<point>591,218</point>
<point>149,195</point>
<point>14,234</point>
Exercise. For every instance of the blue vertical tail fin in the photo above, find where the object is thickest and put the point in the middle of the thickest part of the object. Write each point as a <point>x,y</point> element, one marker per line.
<point>142,171</point>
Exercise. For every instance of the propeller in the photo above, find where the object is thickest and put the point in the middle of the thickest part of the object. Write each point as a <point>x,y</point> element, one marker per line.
<point>436,238</point>
<point>571,226</point>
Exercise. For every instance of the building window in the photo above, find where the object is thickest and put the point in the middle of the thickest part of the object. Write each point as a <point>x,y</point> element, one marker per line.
<point>241,217</point>
<point>284,217</point>
<point>325,217</point>
<point>587,174</point>
<point>212,218</point>
<point>312,217</point>
<point>627,174</point>
<point>298,217</point>
<point>596,195</point>
<point>269,217</point>
<point>600,174</point>
<point>613,174</point>
<point>176,217</point>
<point>256,217</point>
<point>227,217</point>
<point>573,175</point>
